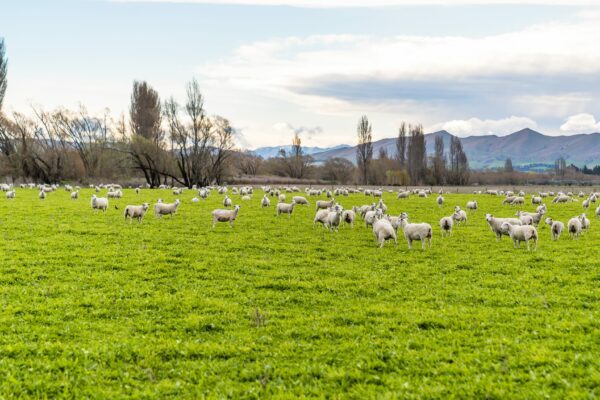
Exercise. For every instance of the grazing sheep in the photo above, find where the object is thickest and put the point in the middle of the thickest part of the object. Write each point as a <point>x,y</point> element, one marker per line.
<point>496,224</point>
<point>446,224</point>
<point>574,227</point>
<point>440,200</point>
<point>586,203</point>
<point>195,200</point>
<point>42,195</point>
<point>403,195</point>
<point>459,216</point>
<point>227,202</point>
<point>370,216</point>
<point>246,197</point>
<point>225,216</point>
<point>75,195</point>
<point>283,208</point>
<point>281,198</point>
<point>509,200</point>
<point>541,208</point>
<point>556,228</point>
<point>322,204</point>
<point>561,199</point>
<point>300,200</point>
<point>348,217</point>
<point>518,201</point>
<point>161,209</point>
<point>117,194</point>
<point>99,203</point>
<point>383,230</point>
<point>10,194</point>
<point>137,190</point>
<point>136,212</point>
<point>526,219</point>
<point>472,205</point>
<point>521,233</point>
<point>422,231</point>
<point>536,217</point>
<point>265,202</point>
<point>321,217</point>
<point>536,200</point>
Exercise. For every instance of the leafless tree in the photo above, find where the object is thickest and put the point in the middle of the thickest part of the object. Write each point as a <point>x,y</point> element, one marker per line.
<point>401,145</point>
<point>248,163</point>
<point>439,161</point>
<point>3,72</point>
<point>364,149</point>
<point>417,156</point>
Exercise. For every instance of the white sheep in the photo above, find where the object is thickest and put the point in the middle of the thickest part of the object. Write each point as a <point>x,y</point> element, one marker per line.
<point>265,202</point>
<point>556,228</point>
<point>496,224</point>
<point>422,231</point>
<point>370,216</point>
<point>320,217</point>
<point>246,197</point>
<point>521,233</point>
<point>281,198</point>
<point>536,200</point>
<point>322,204</point>
<point>227,202</point>
<point>574,227</point>
<point>472,205</point>
<point>460,216</point>
<point>440,200</point>
<point>42,195</point>
<point>10,194</point>
<point>334,217</point>
<point>195,200</point>
<point>383,230</point>
<point>161,209</point>
<point>446,224</point>
<point>348,217</point>
<point>598,211</point>
<point>136,212</point>
<point>526,219</point>
<point>283,208</point>
<point>300,200</point>
<point>75,195</point>
<point>585,222</point>
<point>225,216</point>
<point>99,203</point>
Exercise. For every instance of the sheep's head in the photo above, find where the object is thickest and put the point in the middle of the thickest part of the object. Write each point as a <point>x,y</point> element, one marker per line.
<point>145,206</point>
<point>549,221</point>
<point>505,226</point>
<point>489,217</point>
<point>456,209</point>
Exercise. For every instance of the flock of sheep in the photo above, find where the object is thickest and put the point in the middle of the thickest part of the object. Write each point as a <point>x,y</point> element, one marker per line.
<point>331,214</point>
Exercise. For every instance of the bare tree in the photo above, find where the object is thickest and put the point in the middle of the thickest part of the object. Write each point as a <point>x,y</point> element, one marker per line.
<point>439,161</point>
<point>417,155</point>
<point>508,166</point>
<point>338,170</point>
<point>459,164</point>
<point>364,149</point>
<point>248,163</point>
<point>401,145</point>
<point>222,146</point>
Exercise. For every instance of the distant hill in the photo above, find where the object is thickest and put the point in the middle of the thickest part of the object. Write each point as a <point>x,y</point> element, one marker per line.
<point>525,147</point>
<point>270,152</point>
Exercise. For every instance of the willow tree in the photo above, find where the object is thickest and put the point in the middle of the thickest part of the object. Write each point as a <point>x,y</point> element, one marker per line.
<point>364,149</point>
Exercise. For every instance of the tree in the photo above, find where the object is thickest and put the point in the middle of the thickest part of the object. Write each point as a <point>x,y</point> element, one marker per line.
<point>508,167</point>
<point>146,146</point>
<point>3,72</point>
<point>221,147</point>
<point>401,145</point>
<point>364,149</point>
<point>560,167</point>
<point>459,164</point>
<point>295,163</point>
<point>439,161</point>
<point>382,153</point>
<point>417,155</point>
<point>338,170</point>
<point>248,163</point>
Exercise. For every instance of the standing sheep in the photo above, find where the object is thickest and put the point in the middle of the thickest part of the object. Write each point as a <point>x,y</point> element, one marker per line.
<point>225,216</point>
<point>227,202</point>
<point>348,217</point>
<point>585,222</point>
<point>10,194</point>
<point>422,231</point>
<point>136,212</point>
<point>161,209</point>
<point>556,228</point>
<point>574,227</point>
<point>283,208</point>
<point>75,195</point>
<point>42,195</point>
<point>446,224</point>
<point>521,233</point>
<point>99,203</point>
<point>496,224</point>
<point>440,200</point>
<point>322,204</point>
<point>265,202</point>
<point>300,200</point>
<point>459,216</point>
<point>472,205</point>
<point>383,230</point>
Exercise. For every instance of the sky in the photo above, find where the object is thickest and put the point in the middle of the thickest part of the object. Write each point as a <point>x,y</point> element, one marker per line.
<point>314,67</point>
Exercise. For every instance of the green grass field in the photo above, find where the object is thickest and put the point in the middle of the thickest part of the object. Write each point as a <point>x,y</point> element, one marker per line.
<point>96,307</point>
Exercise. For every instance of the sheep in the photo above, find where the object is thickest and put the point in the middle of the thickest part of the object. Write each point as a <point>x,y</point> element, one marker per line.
<point>422,231</point>
<point>561,199</point>
<point>536,217</point>
<point>556,228</point>
<point>459,216</point>
<point>225,216</point>
<point>300,200</point>
<point>321,217</point>
<point>99,203</point>
<point>585,222</point>
<point>227,202</point>
<point>265,202</point>
<point>526,220</point>
<point>518,201</point>
<point>383,230</point>
<point>403,195</point>
<point>574,227</point>
<point>75,195</point>
<point>42,195</point>
<point>536,200</point>
<point>332,222</point>
<point>114,194</point>
<point>586,203</point>
<point>348,217</point>
<point>161,209</point>
<point>281,198</point>
<point>10,194</point>
<point>496,224</point>
<point>541,208</point>
<point>523,233</point>
<point>472,205</point>
<point>382,206</point>
<point>195,200</point>
<point>283,208</point>
<point>370,216</point>
<point>137,190</point>
<point>446,224</point>
<point>508,200</point>
<point>440,200</point>
<point>136,212</point>
<point>322,204</point>
<point>246,197</point>
<point>362,210</point>
<point>598,211</point>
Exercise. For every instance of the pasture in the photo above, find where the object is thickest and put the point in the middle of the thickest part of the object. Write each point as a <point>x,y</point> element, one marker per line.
<point>93,306</point>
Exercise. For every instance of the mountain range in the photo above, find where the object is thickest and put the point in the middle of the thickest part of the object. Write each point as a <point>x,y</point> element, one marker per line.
<point>273,151</point>
<point>526,148</point>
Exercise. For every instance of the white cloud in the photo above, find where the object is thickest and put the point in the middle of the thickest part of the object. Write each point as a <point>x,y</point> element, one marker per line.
<point>307,132</point>
<point>581,123</point>
<point>371,3</point>
<point>478,127</point>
